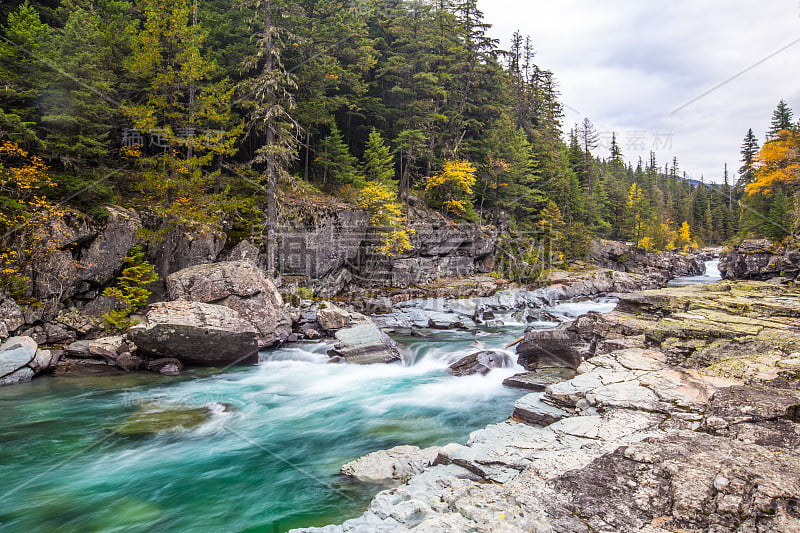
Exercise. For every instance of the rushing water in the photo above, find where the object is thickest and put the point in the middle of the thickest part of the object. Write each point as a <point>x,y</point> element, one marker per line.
<point>267,464</point>
<point>711,275</point>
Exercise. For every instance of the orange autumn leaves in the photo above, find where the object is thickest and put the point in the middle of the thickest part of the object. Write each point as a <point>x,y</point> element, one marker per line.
<point>777,164</point>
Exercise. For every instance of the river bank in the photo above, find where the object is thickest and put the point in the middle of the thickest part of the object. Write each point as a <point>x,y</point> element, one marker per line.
<point>683,417</point>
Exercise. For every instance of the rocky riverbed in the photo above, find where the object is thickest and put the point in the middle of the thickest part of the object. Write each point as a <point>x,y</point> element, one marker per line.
<point>684,416</point>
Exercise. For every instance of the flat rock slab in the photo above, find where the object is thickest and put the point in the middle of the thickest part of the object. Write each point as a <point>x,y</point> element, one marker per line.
<point>393,466</point>
<point>540,379</point>
<point>530,409</point>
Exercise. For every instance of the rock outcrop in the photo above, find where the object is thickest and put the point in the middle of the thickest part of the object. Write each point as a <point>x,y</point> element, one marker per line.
<point>197,334</point>
<point>241,286</point>
<point>641,440</point>
<point>21,359</point>
<point>11,316</point>
<point>626,257</point>
<point>185,246</point>
<point>760,260</point>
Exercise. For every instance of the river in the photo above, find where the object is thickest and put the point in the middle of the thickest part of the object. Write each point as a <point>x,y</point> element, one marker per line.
<point>267,464</point>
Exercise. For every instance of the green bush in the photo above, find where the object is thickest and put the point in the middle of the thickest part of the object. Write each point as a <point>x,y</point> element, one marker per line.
<point>131,290</point>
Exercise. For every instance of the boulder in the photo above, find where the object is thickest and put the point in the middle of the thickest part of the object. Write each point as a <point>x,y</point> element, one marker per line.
<point>110,347</point>
<point>530,409</point>
<point>331,317</point>
<point>481,363</point>
<point>392,466</point>
<point>21,359</point>
<point>196,333</point>
<point>241,286</point>
<point>75,320</point>
<point>550,348</point>
<point>244,251</point>
<point>365,344</point>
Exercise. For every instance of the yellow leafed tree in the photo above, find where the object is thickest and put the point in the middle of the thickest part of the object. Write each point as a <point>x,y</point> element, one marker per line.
<point>777,163</point>
<point>452,187</point>
<point>387,217</point>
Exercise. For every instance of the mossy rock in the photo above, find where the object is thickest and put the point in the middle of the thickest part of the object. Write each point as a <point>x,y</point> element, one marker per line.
<point>152,419</point>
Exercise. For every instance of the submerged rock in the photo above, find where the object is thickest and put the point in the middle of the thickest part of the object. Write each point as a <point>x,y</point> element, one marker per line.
<point>196,333</point>
<point>152,418</point>
<point>365,344</point>
<point>393,466</point>
<point>481,363</point>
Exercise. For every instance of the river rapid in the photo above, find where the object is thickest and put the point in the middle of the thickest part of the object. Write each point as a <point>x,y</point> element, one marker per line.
<point>266,461</point>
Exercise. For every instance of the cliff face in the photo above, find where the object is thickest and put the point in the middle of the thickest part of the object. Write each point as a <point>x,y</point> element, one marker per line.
<point>335,250</point>
<point>760,260</point>
<point>626,257</point>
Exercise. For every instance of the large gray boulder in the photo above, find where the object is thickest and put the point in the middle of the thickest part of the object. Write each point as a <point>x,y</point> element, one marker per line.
<point>241,286</point>
<point>196,333</point>
<point>560,348</point>
<point>21,359</point>
<point>365,344</point>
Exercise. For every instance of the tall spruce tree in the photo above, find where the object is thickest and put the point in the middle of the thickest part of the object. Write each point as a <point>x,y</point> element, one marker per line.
<point>782,119</point>
<point>268,102</point>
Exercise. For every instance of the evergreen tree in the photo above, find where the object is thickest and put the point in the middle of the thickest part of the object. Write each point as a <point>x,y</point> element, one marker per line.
<point>782,119</point>
<point>268,104</point>
<point>378,161</point>
<point>748,151</point>
<point>26,41</point>
<point>335,162</point>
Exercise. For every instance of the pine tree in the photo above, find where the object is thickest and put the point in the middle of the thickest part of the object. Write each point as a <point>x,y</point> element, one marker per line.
<point>80,108</point>
<point>748,151</point>
<point>269,102</point>
<point>378,161</point>
<point>24,75</point>
<point>335,162</point>
<point>781,119</point>
<point>186,115</point>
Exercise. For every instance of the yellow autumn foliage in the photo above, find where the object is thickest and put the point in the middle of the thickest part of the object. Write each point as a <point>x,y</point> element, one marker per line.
<point>386,214</point>
<point>777,163</point>
<point>453,185</point>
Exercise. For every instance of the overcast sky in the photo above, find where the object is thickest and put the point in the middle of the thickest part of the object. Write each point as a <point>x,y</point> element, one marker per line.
<point>640,68</point>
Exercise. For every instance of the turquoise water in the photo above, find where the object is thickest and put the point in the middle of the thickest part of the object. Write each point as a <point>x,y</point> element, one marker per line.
<point>266,464</point>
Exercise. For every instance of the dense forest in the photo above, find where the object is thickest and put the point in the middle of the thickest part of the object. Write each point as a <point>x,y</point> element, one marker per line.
<point>208,109</point>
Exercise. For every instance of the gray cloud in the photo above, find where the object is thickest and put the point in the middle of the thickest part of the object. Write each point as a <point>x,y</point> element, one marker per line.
<point>628,65</point>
